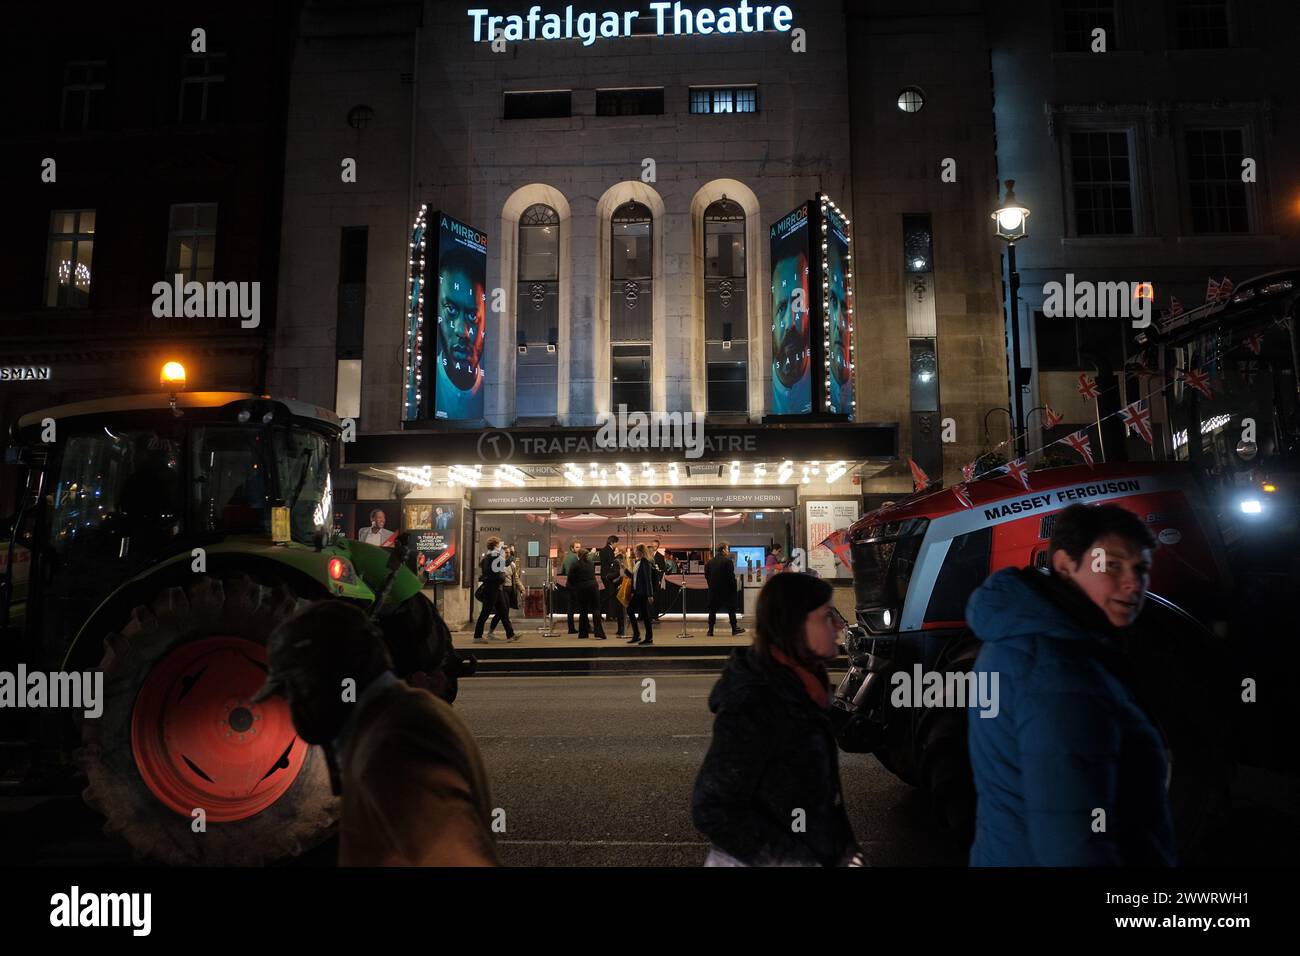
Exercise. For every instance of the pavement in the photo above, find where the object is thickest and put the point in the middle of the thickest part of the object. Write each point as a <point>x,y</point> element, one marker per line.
<point>536,652</point>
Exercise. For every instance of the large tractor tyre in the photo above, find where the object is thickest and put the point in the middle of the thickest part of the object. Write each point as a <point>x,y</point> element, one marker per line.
<point>943,753</point>
<point>179,734</point>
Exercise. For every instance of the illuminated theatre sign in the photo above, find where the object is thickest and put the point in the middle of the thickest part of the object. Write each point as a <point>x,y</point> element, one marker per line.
<point>671,19</point>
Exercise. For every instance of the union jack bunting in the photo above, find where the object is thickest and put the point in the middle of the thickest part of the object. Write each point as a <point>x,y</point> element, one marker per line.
<point>1087,386</point>
<point>1138,417</point>
<point>1019,471</point>
<point>1198,380</point>
<point>919,478</point>
<point>1080,442</point>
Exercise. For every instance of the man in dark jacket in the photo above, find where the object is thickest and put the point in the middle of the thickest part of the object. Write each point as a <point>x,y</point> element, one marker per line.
<point>609,577</point>
<point>566,568</point>
<point>1070,768</point>
<point>660,561</point>
<point>720,575</point>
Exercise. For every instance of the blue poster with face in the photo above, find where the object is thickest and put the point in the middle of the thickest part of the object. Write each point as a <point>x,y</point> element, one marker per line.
<point>792,365</point>
<point>460,314</point>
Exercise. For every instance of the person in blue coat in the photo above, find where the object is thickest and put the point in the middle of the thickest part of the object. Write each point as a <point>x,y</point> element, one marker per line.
<point>1070,768</point>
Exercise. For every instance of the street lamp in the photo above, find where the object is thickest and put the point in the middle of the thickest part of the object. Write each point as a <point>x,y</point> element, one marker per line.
<point>1012,225</point>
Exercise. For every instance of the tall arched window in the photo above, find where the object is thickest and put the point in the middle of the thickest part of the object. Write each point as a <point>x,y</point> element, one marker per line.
<point>726,308</point>
<point>630,314</point>
<point>538,311</point>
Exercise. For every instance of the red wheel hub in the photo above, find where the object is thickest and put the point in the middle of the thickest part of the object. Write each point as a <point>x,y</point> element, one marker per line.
<point>200,742</point>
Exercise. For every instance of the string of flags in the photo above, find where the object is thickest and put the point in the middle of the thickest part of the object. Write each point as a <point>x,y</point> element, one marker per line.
<point>1136,416</point>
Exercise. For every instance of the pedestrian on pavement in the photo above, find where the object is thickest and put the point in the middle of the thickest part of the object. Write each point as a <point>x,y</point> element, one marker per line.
<point>583,590</point>
<point>660,561</point>
<point>492,589</point>
<point>720,576</point>
<point>413,785</point>
<point>609,577</point>
<point>622,571</point>
<point>643,596</point>
<point>514,586</point>
<point>1071,769</point>
<point>768,793</point>
<point>566,567</point>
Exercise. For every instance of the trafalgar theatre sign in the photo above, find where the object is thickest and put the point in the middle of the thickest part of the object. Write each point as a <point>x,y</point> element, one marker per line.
<point>670,19</point>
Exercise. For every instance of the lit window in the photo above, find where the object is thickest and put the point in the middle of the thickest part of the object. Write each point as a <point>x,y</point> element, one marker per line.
<point>741,99</point>
<point>911,100</point>
<point>630,306</point>
<point>726,311</point>
<point>537,313</point>
<point>68,258</point>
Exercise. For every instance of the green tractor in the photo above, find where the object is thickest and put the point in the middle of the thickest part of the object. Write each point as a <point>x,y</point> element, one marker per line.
<point>159,540</point>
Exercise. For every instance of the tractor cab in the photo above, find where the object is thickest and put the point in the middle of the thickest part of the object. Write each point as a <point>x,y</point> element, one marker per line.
<point>115,486</point>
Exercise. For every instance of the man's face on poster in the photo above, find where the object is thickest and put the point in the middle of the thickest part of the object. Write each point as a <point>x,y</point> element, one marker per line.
<point>840,325</point>
<point>460,327</point>
<point>790,356</point>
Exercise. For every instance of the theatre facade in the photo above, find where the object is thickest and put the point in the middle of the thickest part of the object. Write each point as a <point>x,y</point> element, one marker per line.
<point>530,226</point>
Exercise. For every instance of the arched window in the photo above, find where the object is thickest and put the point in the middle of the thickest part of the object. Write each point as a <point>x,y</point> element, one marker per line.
<point>538,313</point>
<point>726,308</point>
<point>630,313</point>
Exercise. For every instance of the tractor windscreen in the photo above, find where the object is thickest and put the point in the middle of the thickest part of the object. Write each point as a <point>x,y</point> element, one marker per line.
<point>302,462</point>
<point>883,559</point>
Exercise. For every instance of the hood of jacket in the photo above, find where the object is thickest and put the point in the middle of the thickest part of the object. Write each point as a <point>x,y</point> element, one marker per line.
<point>1024,602</point>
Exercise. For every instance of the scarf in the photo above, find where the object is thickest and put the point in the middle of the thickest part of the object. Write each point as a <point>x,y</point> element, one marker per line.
<point>818,691</point>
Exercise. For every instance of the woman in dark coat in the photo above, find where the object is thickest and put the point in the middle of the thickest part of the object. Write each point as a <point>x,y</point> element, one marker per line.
<point>769,792</point>
<point>583,589</point>
<point>492,575</point>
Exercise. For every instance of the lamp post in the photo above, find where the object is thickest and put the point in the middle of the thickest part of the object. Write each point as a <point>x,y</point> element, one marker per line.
<point>1011,219</point>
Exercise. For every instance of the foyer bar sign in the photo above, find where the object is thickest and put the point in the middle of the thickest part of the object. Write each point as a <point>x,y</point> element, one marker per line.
<point>671,19</point>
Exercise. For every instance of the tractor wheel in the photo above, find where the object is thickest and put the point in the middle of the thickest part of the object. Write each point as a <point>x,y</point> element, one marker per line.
<point>179,735</point>
<point>943,755</point>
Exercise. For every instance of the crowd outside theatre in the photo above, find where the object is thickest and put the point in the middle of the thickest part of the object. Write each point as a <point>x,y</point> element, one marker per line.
<point>1072,723</point>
